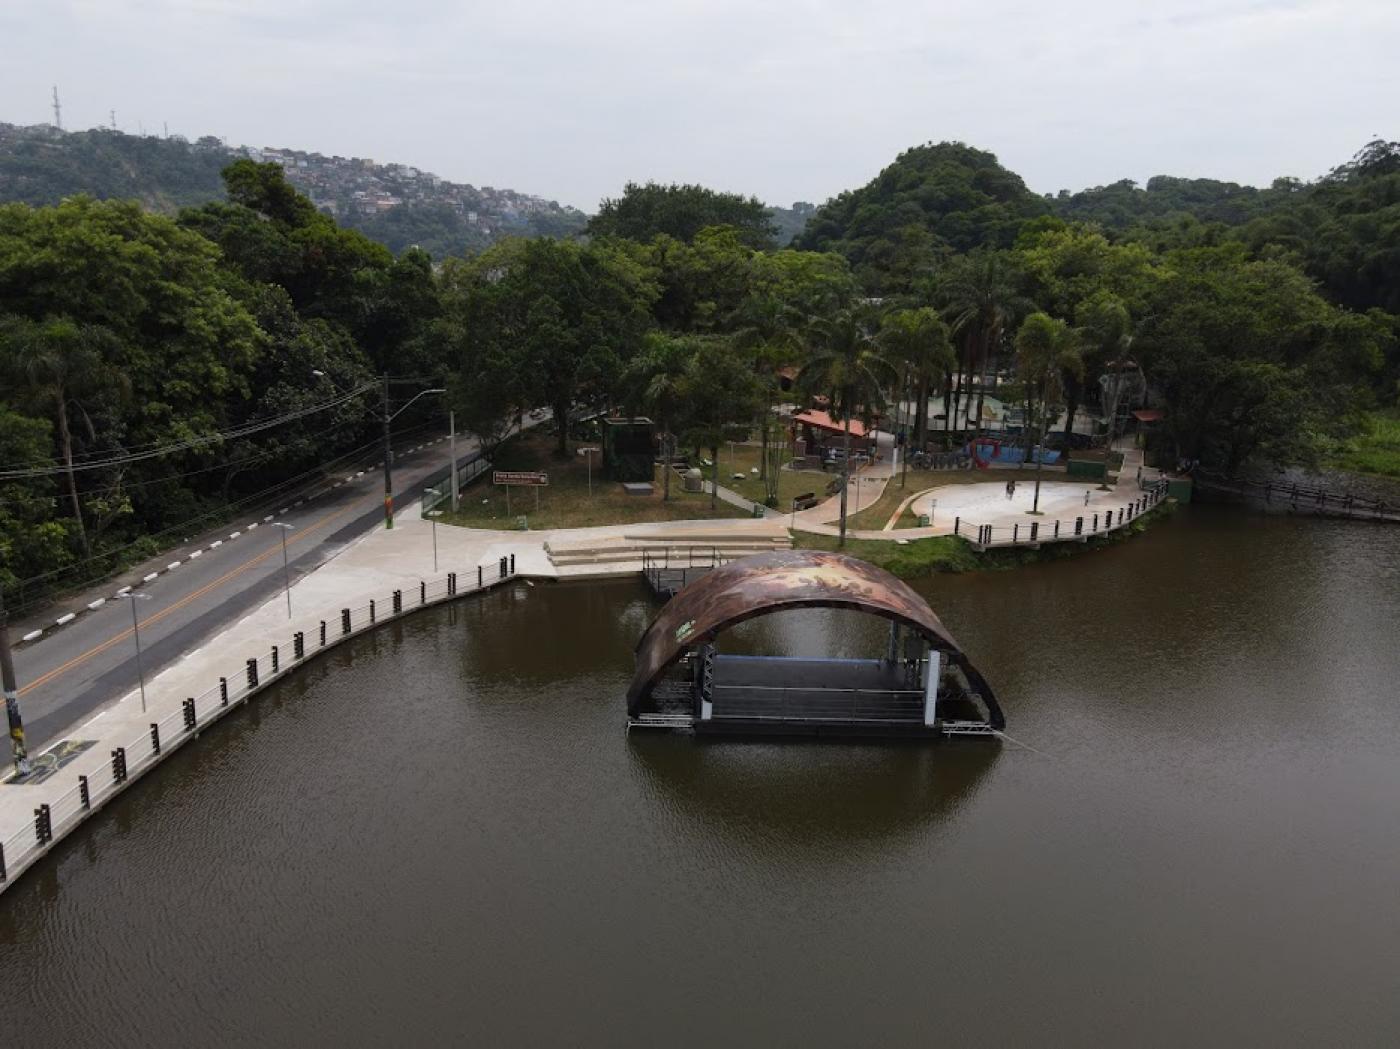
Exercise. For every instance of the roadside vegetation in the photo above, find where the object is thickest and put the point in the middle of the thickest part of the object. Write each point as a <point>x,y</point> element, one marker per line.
<point>1376,450</point>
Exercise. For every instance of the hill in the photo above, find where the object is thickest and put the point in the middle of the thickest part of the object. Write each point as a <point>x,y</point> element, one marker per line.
<point>395,204</point>
<point>933,201</point>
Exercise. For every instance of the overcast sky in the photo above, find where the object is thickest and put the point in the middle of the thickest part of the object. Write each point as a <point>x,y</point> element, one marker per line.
<point>791,100</point>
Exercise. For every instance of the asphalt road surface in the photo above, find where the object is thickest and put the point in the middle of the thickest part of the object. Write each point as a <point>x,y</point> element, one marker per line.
<point>73,671</point>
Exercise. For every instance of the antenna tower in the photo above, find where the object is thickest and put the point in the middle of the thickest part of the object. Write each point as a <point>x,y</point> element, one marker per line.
<point>57,110</point>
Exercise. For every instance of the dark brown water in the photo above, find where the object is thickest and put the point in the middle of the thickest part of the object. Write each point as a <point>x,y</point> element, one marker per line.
<point>443,836</point>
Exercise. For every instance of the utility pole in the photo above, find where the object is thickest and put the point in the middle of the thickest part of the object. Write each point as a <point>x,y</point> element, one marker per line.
<point>57,110</point>
<point>388,456</point>
<point>452,451</point>
<point>11,689</point>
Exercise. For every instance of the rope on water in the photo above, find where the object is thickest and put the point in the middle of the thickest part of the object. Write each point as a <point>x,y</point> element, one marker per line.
<point>1025,746</point>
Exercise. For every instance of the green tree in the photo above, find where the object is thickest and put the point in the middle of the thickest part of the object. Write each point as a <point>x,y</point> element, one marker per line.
<point>646,211</point>
<point>916,340</point>
<point>656,381</point>
<point>982,299</point>
<point>847,366</point>
<point>1046,349</point>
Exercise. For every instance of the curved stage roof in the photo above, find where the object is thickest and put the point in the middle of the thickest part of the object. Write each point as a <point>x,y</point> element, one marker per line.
<point>773,582</point>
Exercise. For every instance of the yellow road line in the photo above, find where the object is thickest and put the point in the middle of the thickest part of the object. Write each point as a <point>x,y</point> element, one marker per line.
<point>157,616</point>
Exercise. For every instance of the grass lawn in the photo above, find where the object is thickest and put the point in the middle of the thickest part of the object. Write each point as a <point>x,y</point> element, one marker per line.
<point>1376,451</point>
<point>875,515</point>
<point>916,558</point>
<point>791,483</point>
<point>565,502</point>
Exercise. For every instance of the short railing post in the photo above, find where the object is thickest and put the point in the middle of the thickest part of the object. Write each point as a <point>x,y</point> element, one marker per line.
<point>1096,523</point>
<point>1016,532</point>
<point>323,633</point>
<point>422,592</point>
<point>1057,530</point>
<point>1079,526</point>
<point>119,765</point>
<point>1035,530</point>
<point>398,601</point>
<point>344,621</point>
<point>84,794</point>
<point>299,645</point>
<point>3,874</point>
<point>223,691</point>
<point>252,673</point>
<point>371,611</point>
<point>512,564</point>
<point>451,584</point>
<point>188,706</point>
<point>479,581</point>
<point>43,825</point>
<point>957,525</point>
<point>275,663</point>
<point>155,738</point>
<point>501,573</point>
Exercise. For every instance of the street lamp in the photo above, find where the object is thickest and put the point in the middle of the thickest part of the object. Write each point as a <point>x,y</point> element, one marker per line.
<point>432,516</point>
<point>388,453</point>
<point>588,454</point>
<point>136,632</point>
<point>386,418</point>
<point>286,569</point>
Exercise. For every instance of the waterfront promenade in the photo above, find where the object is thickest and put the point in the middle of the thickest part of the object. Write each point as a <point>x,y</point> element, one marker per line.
<point>355,590</point>
<point>371,569</point>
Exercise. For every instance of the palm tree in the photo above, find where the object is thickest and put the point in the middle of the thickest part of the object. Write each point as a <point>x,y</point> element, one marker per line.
<point>1046,348</point>
<point>848,367</point>
<point>60,361</point>
<point>656,380</point>
<point>917,339</point>
<point>981,301</point>
<point>768,329</point>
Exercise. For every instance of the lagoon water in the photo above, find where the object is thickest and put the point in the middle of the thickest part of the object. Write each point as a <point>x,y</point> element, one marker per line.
<point>441,834</point>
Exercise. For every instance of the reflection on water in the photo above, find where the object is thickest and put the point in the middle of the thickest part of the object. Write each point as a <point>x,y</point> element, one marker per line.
<point>441,834</point>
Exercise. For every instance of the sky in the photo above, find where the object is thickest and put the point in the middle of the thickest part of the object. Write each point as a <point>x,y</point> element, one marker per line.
<point>792,100</point>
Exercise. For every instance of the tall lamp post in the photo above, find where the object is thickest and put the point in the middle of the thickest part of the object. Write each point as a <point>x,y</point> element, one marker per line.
<point>432,516</point>
<point>11,689</point>
<point>286,568</point>
<point>136,632</point>
<point>389,417</point>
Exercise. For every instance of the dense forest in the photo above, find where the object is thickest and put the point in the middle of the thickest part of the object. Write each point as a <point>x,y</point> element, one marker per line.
<point>159,370</point>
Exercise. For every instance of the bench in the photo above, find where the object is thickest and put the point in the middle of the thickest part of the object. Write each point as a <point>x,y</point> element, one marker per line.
<point>805,501</point>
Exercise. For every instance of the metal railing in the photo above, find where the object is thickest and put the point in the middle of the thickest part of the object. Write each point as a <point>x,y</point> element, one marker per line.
<point>1097,521</point>
<point>469,468</point>
<point>1304,498</point>
<point>144,750</point>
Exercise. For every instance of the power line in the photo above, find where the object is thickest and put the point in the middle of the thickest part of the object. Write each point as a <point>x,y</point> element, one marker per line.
<point>183,525</point>
<point>193,442</point>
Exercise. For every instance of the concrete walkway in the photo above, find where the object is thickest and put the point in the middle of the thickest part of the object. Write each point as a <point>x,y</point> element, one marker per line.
<point>372,568</point>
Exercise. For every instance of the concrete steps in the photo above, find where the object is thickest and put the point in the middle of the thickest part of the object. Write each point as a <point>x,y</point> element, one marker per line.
<point>677,550</point>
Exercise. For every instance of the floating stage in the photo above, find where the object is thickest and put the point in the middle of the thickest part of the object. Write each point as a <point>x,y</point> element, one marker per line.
<point>921,685</point>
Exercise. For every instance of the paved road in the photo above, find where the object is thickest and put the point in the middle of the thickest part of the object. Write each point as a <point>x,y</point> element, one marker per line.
<point>65,676</point>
